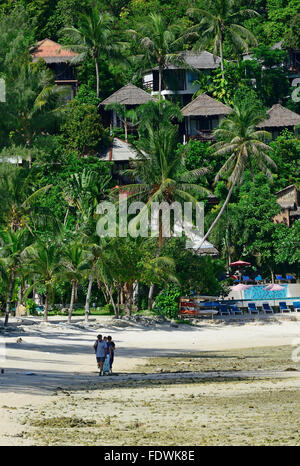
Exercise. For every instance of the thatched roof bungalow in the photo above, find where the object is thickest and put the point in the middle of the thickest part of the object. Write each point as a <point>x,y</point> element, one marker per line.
<point>279,118</point>
<point>202,115</point>
<point>129,95</point>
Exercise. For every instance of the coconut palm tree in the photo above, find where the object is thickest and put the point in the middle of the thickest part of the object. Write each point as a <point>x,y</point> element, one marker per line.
<point>246,146</point>
<point>74,264</point>
<point>159,44</point>
<point>33,105</point>
<point>18,195</point>
<point>162,175</point>
<point>43,261</point>
<point>94,35</point>
<point>220,20</point>
<point>12,247</point>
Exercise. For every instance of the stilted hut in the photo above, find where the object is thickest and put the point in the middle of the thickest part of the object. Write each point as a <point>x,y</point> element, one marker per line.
<point>201,116</point>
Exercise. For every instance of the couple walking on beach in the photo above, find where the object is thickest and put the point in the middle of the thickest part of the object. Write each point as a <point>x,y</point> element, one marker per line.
<point>105,352</point>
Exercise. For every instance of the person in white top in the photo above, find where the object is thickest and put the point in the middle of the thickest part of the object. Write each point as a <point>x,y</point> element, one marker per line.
<point>100,348</point>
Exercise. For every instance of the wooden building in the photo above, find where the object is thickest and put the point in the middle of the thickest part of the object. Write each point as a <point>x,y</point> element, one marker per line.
<point>278,119</point>
<point>201,116</point>
<point>59,60</point>
<point>179,76</point>
<point>289,200</point>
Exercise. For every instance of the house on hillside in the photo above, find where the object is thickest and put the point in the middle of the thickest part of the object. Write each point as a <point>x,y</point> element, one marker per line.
<point>278,119</point>
<point>120,153</point>
<point>129,96</point>
<point>201,116</point>
<point>292,62</point>
<point>58,60</point>
<point>178,79</point>
<point>289,200</point>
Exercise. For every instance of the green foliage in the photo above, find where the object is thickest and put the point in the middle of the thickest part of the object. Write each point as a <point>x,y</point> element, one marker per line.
<point>285,153</point>
<point>167,302</point>
<point>83,131</point>
<point>30,306</point>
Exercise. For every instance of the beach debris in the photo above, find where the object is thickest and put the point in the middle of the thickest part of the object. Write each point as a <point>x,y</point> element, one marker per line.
<point>19,340</point>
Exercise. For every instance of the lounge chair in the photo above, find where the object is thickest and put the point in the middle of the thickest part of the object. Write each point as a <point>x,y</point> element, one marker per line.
<point>280,278</point>
<point>235,310</point>
<point>245,278</point>
<point>223,310</point>
<point>267,308</point>
<point>258,278</point>
<point>283,307</point>
<point>252,308</point>
<point>289,277</point>
<point>296,306</point>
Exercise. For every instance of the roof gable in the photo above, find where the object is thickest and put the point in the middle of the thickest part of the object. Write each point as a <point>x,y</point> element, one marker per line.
<point>279,116</point>
<point>128,95</point>
<point>204,105</point>
<point>51,51</point>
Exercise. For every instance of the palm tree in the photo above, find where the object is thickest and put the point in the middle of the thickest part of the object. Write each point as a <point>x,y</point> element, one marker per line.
<point>159,42</point>
<point>43,261</point>
<point>12,247</point>
<point>73,263</point>
<point>83,191</point>
<point>32,106</point>
<point>246,146</point>
<point>94,35</point>
<point>18,194</point>
<point>163,176</point>
<point>220,20</point>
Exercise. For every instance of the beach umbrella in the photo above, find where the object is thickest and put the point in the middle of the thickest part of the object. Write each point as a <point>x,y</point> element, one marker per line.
<point>274,287</point>
<point>239,264</point>
<point>240,287</point>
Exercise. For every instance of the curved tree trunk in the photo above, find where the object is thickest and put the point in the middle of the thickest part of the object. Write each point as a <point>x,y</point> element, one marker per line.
<point>217,217</point>
<point>88,297</point>
<point>9,297</point>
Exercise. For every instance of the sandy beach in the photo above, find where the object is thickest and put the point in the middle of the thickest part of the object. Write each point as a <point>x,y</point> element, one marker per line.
<point>50,391</point>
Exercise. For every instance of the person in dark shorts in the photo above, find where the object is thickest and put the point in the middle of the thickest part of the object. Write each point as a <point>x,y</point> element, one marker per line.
<point>100,348</point>
<point>111,351</point>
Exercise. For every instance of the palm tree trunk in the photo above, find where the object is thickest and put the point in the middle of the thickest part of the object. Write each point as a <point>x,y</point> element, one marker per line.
<point>9,297</point>
<point>159,81</point>
<point>126,129</point>
<point>97,76</point>
<point>221,56</point>
<point>88,297</point>
<point>66,216</point>
<point>217,217</point>
<point>72,301</point>
<point>160,241</point>
<point>46,306</point>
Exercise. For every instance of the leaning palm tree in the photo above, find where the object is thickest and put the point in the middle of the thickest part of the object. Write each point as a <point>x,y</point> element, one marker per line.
<point>94,35</point>
<point>159,44</point>
<point>246,146</point>
<point>220,20</point>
